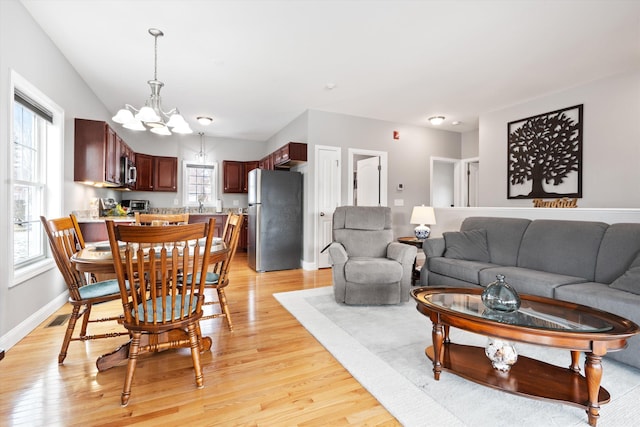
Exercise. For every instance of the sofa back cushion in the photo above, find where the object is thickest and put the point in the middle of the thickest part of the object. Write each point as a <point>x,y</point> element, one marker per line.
<point>620,245</point>
<point>364,231</point>
<point>503,236</point>
<point>562,247</point>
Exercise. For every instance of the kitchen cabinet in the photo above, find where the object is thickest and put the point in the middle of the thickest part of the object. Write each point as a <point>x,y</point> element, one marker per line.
<point>266,162</point>
<point>221,219</point>
<point>144,165</point>
<point>248,167</point>
<point>236,175</point>
<point>156,173</point>
<point>244,232</point>
<point>233,176</point>
<point>290,154</point>
<point>165,173</point>
<point>96,153</point>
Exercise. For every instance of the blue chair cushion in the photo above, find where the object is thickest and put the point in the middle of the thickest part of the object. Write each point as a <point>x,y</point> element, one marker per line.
<point>211,279</point>
<point>160,314</point>
<point>100,289</point>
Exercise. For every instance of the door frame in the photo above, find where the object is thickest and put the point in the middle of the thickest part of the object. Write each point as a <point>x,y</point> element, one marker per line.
<point>316,215</point>
<point>351,152</point>
<point>459,178</point>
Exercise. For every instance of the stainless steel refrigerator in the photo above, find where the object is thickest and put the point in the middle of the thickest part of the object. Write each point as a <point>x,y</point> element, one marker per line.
<point>275,220</point>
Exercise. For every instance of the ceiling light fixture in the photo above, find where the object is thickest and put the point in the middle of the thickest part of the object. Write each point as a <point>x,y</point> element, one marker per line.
<point>152,114</point>
<point>204,121</point>
<point>436,120</point>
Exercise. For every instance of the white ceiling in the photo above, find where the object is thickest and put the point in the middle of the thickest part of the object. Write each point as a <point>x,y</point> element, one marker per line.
<point>256,65</point>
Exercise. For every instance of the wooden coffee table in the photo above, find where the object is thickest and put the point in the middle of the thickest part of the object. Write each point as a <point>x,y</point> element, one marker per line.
<point>542,321</point>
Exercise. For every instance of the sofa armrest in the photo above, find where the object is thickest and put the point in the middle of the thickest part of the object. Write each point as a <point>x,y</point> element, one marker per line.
<point>434,247</point>
<point>337,253</point>
<point>403,253</point>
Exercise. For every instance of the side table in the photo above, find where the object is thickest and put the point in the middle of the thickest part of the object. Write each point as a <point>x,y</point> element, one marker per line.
<point>412,240</point>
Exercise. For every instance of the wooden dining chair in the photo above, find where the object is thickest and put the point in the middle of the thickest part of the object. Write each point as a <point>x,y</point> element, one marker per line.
<point>218,279</point>
<point>154,258</point>
<point>147,219</point>
<point>65,239</point>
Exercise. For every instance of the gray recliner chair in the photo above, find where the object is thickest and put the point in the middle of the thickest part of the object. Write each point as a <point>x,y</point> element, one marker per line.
<point>369,267</point>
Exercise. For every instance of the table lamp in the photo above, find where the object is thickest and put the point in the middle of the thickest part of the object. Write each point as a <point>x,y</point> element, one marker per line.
<point>422,215</point>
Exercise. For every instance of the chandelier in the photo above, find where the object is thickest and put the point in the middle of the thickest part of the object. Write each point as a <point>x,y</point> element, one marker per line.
<point>152,115</point>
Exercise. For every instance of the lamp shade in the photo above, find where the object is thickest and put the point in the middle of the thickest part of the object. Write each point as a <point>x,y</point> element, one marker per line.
<point>423,215</point>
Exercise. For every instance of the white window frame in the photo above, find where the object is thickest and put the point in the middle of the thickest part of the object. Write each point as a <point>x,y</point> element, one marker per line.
<point>53,176</point>
<point>185,183</point>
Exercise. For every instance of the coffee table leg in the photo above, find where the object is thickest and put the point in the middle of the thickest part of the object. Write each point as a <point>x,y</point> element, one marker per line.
<point>575,361</point>
<point>593,374</point>
<point>437,337</point>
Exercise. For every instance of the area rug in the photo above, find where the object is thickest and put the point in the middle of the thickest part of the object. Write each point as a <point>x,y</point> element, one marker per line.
<point>383,348</point>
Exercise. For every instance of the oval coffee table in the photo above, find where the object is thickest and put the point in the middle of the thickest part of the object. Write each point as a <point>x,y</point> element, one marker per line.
<point>541,321</point>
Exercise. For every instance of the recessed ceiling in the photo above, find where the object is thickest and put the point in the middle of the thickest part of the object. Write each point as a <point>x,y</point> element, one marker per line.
<point>256,65</point>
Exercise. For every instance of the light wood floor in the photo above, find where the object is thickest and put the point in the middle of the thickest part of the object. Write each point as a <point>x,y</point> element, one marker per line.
<point>268,372</point>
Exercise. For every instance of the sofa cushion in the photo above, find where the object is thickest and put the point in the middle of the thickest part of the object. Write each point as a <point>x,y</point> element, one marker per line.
<point>503,236</point>
<point>603,297</point>
<point>526,281</point>
<point>468,245</point>
<point>372,270</point>
<point>620,244</point>
<point>563,247</point>
<point>362,217</point>
<point>364,243</point>
<point>467,271</point>
<point>630,279</point>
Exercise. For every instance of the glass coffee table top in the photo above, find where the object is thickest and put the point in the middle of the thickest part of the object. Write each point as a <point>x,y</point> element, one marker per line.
<point>532,314</point>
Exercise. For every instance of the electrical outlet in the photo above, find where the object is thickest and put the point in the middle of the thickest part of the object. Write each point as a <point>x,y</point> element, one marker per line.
<point>398,202</point>
<point>236,203</point>
<point>175,202</point>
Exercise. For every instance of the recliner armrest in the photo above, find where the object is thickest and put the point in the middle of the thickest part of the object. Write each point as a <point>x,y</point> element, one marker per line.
<point>401,252</point>
<point>434,247</point>
<point>337,253</point>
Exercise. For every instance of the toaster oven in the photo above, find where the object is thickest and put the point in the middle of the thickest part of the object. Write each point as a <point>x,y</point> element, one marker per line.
<point>141,206</point>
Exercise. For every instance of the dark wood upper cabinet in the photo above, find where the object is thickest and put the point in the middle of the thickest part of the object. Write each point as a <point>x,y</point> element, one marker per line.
<point>144,166</point>
<point>96,153</point>
<point>236,175</point>
<point>291,154</point>
<point>248,167</point>
<point>165,173</point>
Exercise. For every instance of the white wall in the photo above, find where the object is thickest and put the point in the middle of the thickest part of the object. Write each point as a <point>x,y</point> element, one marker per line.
<point>469,144</point>
<point>27,50</point>
<point>408,157</point>
<point>611,143</point>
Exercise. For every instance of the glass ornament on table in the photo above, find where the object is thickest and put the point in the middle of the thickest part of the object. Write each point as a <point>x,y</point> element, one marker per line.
<point>500,296</point>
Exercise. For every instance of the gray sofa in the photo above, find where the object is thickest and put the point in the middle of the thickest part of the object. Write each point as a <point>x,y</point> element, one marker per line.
<point>589,263</point>
<point>369,267</point>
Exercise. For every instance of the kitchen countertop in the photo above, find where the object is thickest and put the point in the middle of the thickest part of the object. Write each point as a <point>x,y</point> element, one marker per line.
<point>103,218</point>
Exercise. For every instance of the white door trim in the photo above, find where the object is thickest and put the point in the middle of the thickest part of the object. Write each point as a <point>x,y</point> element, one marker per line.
<point>383,173</point>
<point>316,215</point>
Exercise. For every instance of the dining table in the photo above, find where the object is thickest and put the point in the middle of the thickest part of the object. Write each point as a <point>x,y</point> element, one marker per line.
<point>97,259</point>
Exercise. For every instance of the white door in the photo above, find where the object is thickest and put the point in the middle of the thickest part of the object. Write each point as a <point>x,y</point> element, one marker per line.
<point>328,161</point>
<point>368,182</point>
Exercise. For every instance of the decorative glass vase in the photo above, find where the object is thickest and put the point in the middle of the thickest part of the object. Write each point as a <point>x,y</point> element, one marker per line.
<point>499,296</point>
<point>502,354</point>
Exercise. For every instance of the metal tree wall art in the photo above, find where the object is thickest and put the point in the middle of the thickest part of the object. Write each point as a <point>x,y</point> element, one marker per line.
<point>545,155</point>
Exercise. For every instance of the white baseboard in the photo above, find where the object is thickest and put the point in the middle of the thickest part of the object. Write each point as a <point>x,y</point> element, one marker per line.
<point>309,265</point>
<point>12,337</point>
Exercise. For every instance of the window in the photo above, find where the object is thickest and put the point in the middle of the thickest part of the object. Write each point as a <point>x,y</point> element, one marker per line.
<point>200,184</point>
<point>35,187</point>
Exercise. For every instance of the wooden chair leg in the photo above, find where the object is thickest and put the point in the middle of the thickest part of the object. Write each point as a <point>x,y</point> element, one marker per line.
<point>222,299</point>
<point>85,320</point>
<point>195,353</point>
<point>131,367</point>
<point>68,334</point>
